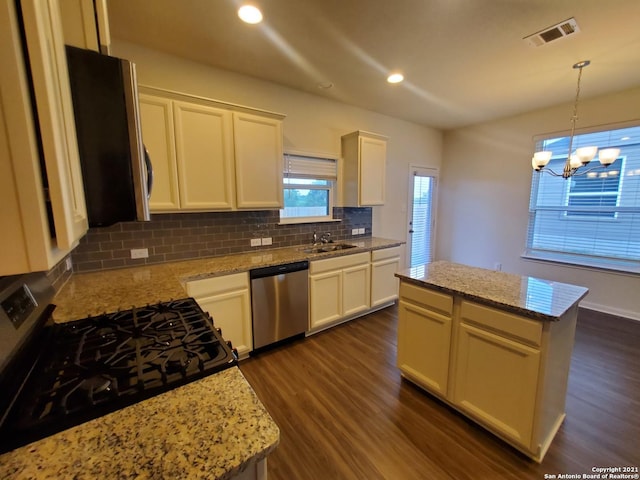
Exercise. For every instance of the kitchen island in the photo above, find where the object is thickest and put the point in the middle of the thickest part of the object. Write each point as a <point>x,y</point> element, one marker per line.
<point>495,346</point>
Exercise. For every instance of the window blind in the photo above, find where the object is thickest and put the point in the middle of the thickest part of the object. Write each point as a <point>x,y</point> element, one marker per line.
<point>298,166</point>
<point>593,219</point>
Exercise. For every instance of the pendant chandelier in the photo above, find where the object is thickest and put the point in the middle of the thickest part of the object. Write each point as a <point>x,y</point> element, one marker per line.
<point>578,160</point>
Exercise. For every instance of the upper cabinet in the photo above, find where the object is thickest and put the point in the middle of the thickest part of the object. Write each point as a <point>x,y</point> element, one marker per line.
<point>85,24</point>
<point>208,156</point>
<point>364,170</point>
<point>43,190</point>
<point>259,161</point>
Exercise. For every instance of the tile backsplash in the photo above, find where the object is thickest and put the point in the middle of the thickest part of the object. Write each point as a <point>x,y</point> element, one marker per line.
<point>183,236</point>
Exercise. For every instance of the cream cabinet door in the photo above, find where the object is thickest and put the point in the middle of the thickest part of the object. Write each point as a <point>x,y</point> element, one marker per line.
<point>424,339</point>
<point>156,114</point>
<point>52,92</point>
<point>384,283</point>
<point>496,382</point>
<point>355,289</point>
<point>373,158</point>
<point>325,292</point>
<point>258,161</point>
<point>227,300</point>
<point>204,152</point>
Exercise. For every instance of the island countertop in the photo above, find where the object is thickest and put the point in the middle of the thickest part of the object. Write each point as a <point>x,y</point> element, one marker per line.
<point>213,428</point>
<point>528,296</point>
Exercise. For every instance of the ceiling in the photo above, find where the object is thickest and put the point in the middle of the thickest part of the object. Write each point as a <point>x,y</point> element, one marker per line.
<point>464,61</point>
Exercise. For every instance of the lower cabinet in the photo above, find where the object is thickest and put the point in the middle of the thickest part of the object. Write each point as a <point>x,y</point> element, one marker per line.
<point>496,382</point>
<point>228,301</point>
<point>507,372</point>
<point>424,337</point>
<point>384,284</point>
<point>338,289</point>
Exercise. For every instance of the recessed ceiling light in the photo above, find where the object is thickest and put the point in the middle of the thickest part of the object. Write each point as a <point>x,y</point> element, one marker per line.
<point>250,14</point>
<point>395,78</point>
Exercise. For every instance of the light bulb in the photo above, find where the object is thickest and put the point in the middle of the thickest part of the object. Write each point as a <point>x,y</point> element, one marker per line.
<point>608,155</point>
<point>250,14</point>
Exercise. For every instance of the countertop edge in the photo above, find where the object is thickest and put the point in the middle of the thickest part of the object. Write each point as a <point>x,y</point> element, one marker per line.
<point>580,293</point>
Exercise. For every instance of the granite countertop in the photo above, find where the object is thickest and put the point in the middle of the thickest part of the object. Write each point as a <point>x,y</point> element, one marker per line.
<point>528,296</point>
<point>110,290</point>
<point>213,428</point>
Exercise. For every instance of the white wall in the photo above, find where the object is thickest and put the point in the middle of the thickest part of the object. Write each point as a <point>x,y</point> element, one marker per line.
<point>312,123</point>
<point>484,198</point>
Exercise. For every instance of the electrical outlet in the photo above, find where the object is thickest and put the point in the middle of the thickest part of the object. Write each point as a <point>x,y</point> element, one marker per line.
<point>354,231</point>
<point>267,241</point>
<point>67,263</point>
<point>256,242</point>
<point>139,253</point>
<point>361,231</point>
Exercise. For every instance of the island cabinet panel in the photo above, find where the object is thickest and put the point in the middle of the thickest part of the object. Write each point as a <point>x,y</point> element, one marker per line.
<point>227,300</point>
<point>424,339</point>
<point>506,368</point>
<point>496,381</point>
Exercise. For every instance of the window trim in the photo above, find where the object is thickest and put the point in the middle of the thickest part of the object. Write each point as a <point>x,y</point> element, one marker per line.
<point>293,168</point>
<point>629,266</point>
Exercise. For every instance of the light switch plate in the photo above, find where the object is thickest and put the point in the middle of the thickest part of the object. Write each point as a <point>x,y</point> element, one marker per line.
<point>256,242</point>
<point>267,241</point>
<point>361,231</point>
<point>354,231</point>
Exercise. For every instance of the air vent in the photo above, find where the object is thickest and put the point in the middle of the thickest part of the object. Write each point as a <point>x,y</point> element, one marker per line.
<point>550,34</point>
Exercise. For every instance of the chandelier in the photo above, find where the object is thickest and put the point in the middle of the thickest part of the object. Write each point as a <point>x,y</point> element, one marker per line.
<point>575,163</point>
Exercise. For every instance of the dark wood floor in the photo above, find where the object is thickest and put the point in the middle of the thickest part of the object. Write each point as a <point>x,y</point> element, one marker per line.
<point>345,413</point>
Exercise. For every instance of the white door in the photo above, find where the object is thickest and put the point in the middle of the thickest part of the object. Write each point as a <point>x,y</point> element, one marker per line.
<point>421,215</point>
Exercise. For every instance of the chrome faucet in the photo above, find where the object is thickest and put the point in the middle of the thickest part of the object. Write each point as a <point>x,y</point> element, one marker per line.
<point>314,239</point>
<point>326,238</point>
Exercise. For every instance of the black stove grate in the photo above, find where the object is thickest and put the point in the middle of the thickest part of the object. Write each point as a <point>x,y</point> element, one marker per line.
<point>99,364</point>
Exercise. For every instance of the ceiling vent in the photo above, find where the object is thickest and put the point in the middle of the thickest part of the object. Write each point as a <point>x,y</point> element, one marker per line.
<point>551,34</point>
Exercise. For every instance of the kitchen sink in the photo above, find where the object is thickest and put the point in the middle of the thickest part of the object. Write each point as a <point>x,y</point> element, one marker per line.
<point>328,247</point>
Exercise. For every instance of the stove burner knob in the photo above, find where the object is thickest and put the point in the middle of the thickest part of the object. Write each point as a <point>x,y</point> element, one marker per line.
<point>229,344</point>
<point>219,330</point>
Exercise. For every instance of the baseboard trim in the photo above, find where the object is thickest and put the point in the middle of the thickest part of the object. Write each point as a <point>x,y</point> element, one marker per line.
<point>619,312</point>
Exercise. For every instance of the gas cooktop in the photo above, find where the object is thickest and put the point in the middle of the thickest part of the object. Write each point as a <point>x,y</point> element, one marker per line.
<point>96,365</point>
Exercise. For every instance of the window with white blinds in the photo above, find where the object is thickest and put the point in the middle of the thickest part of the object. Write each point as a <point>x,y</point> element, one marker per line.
<point>592,219</point>
<point>308,189</point>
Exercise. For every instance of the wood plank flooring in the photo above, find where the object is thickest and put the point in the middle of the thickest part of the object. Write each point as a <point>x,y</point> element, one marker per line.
<point>345,413</point>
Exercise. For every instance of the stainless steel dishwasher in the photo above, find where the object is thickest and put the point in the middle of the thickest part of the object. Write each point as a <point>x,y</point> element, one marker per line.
<point>280,302</point>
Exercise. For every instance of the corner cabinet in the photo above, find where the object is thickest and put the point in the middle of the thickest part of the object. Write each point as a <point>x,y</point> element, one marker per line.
<point>227,300</point>
<point>208,156</point>
<point>44,213</point>
<point>364,169</point>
